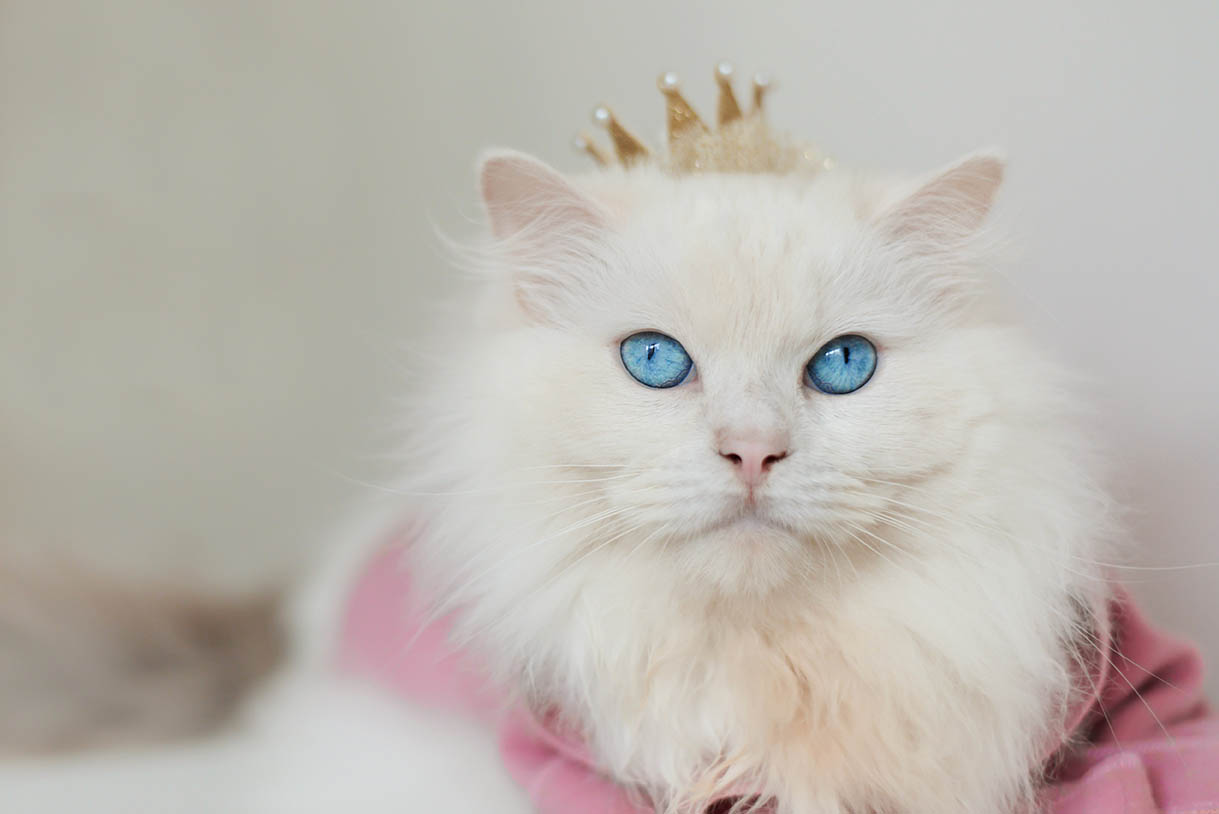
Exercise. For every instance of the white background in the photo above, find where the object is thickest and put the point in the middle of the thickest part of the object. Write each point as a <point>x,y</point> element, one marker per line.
<point>217,231</point>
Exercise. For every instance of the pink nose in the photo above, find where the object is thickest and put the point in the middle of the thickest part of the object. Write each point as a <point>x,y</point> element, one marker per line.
<point>751,458</point>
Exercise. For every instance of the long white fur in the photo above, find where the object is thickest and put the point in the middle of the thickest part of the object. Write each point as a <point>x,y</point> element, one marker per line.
<point>894,630</point>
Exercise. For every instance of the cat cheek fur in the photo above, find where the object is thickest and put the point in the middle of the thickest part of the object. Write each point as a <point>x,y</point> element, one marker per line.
<point>896,640</point>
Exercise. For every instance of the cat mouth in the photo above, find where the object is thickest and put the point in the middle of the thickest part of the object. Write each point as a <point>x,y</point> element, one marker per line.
<point>749,515</point>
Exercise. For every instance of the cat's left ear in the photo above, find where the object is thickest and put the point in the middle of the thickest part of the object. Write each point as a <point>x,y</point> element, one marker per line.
<point>949,208</point>
<point>547,228</point>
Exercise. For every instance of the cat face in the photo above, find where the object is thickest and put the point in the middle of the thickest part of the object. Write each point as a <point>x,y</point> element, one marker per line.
<point>749,365</point>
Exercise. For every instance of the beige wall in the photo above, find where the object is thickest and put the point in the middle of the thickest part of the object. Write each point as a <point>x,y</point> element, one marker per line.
<point>216,225</point>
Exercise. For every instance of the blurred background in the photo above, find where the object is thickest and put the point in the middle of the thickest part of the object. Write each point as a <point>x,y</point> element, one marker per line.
<point>218,232</point>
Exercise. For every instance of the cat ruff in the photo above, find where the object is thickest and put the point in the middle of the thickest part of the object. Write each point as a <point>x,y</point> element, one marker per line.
<point>1143,741</point>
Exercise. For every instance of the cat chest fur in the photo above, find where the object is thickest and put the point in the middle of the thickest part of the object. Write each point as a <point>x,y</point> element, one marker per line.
<point>828,705</point>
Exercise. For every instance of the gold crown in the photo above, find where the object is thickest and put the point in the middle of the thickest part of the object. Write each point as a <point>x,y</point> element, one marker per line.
<point>741,142</point>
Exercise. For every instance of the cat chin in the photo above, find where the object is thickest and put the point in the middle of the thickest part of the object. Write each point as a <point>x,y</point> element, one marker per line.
<point>745,557</point>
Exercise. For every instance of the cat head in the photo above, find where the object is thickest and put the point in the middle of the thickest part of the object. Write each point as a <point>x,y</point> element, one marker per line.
<point>732,372</point>
<point>698,423</point>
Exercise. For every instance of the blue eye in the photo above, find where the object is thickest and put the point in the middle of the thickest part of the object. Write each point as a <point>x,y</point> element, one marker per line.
<point>655,359</point>
<point>843,365</point>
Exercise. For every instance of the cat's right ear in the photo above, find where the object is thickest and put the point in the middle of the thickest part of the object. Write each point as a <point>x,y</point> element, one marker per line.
<point>525,197</point>
<point>546,227</point>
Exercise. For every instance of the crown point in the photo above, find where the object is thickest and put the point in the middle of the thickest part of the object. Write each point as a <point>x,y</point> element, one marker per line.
<point>728,110</point>
<point>583,143</point>
<point>628,148</point>
<point>682,118</point>
<point>761,84</point>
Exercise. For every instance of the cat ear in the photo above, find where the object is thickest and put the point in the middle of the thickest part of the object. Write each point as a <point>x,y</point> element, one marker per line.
<point>545,225</point>
<point>523,194</point>
<point>951,207</point>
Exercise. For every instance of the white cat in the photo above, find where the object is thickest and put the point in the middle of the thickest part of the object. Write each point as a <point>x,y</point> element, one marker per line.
<point>751,478</point>
<point>858,589</point>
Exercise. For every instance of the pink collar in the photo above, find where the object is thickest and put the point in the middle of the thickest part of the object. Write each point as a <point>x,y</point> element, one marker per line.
<point>1146,741</point>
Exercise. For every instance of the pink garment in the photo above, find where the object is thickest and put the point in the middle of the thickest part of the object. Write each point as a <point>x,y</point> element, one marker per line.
<point>1130,762</point>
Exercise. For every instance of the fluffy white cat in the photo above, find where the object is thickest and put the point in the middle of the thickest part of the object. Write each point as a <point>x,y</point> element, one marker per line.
<point>749,476</point>
<point>855,601</point>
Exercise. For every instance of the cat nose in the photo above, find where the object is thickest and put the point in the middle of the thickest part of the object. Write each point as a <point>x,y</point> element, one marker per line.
<point>752,458</point>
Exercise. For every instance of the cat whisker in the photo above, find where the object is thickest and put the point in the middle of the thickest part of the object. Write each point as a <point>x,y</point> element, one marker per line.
<point>1088,560</point>
<point>852,528</point>
<point>925,532</point>
<point>642,543</point>
<point>571,466</point>
<point>482,491</point>
<point>555,575</point>
<point>460,587</point>
<point>456,592</point>
<point>958,521</point>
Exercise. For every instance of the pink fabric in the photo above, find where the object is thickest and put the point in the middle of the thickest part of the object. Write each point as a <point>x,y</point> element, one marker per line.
<point>1149,744</point>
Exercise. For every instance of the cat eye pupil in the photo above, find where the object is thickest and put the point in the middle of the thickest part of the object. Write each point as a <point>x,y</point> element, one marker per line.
<point>842,365</point>
<point>651,352</point>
